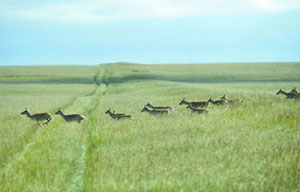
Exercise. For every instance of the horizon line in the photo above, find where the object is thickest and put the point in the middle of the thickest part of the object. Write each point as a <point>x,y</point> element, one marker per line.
<point>135,63</point>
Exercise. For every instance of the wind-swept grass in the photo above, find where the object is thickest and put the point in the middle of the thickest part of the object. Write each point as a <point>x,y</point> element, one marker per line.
<point>249,146</point>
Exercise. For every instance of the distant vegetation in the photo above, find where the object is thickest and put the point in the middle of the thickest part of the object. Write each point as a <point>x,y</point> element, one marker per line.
<point>47,74</point>
<point>205,73</point>
<point>251,145</point>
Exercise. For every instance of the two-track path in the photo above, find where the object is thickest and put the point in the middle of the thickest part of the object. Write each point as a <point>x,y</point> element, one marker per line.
<point>55,158</point>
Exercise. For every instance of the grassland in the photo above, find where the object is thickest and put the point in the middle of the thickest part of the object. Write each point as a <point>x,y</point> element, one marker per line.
<point>251,146</point>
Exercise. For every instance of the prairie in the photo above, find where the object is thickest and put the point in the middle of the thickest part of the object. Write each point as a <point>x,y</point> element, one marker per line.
<point>249,146</point>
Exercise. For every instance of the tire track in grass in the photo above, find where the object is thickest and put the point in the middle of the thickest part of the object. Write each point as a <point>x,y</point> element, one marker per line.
<point>40,133</point>
<point>17,145</point>
<point>93,136</point>
<point>78,181</point>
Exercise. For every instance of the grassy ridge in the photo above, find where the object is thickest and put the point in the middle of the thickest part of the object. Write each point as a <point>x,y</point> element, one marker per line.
<point>252,146</point>
<point>205,73</point>
<point>47,74</point>
<point>123,72</point>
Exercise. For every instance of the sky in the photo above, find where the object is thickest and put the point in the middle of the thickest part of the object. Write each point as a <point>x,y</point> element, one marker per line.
<point>54,32</point>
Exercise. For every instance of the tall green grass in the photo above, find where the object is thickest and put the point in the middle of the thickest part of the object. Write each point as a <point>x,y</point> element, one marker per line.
<point>16,130</point>
<point>250,146</point>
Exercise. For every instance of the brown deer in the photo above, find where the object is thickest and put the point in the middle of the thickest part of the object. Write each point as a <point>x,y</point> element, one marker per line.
<point>71,117</point>
<point>291,95</point>
<point>118,115</point>
<point>231,100</point>
<point>122,115</point>
<point>38,117</point>
<point>217,102</point>
<point>195,110</point>
<point>160,107</point>
<point>154,111</point>
<point>194,103</point>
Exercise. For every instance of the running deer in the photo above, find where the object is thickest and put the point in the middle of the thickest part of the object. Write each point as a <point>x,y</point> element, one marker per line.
<point>154,111</point>
<point>38,117</point>
<point>160,107</point>
<point>194,103</point>
<point>291,95</point>
<point>195,110</point>
<point>218,102</point>
<point>71,117</point>
<point>294,91</point>
<point>231,100</point>
<point>118,115</point>
<point>122,115</point>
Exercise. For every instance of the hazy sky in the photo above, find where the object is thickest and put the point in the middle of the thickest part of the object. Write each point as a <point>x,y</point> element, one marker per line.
<point>148,31</point>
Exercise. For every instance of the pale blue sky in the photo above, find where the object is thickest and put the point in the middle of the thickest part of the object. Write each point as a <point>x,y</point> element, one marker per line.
<point>148,31</point>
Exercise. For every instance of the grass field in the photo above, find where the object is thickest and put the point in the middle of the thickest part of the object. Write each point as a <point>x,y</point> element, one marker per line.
<point>250,146</point>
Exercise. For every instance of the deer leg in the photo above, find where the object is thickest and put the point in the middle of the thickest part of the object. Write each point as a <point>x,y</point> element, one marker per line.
<point>48,120</point>
<point>39,124</point>
<point>46,123</point>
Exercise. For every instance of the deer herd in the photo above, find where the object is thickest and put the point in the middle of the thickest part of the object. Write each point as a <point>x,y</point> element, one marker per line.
<point>47,117</point>
<point>194,106</point>
<point>293,94</point>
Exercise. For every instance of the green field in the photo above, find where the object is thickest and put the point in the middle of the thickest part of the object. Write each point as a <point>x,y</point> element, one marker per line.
<point>250,146</point>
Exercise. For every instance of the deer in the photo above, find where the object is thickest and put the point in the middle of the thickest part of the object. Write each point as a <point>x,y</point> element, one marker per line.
<point>122,115</point>
<point>294,91</point>
<point>231,100</point>
<point>117,115</point>
<point>217,102</point>
<point>194,103</point>
<point>195,110</point>
<point>154,111</point>
<point>38,117</point>
<point>71,117</point>
<point>160,107</point>
<point>291,95</point>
